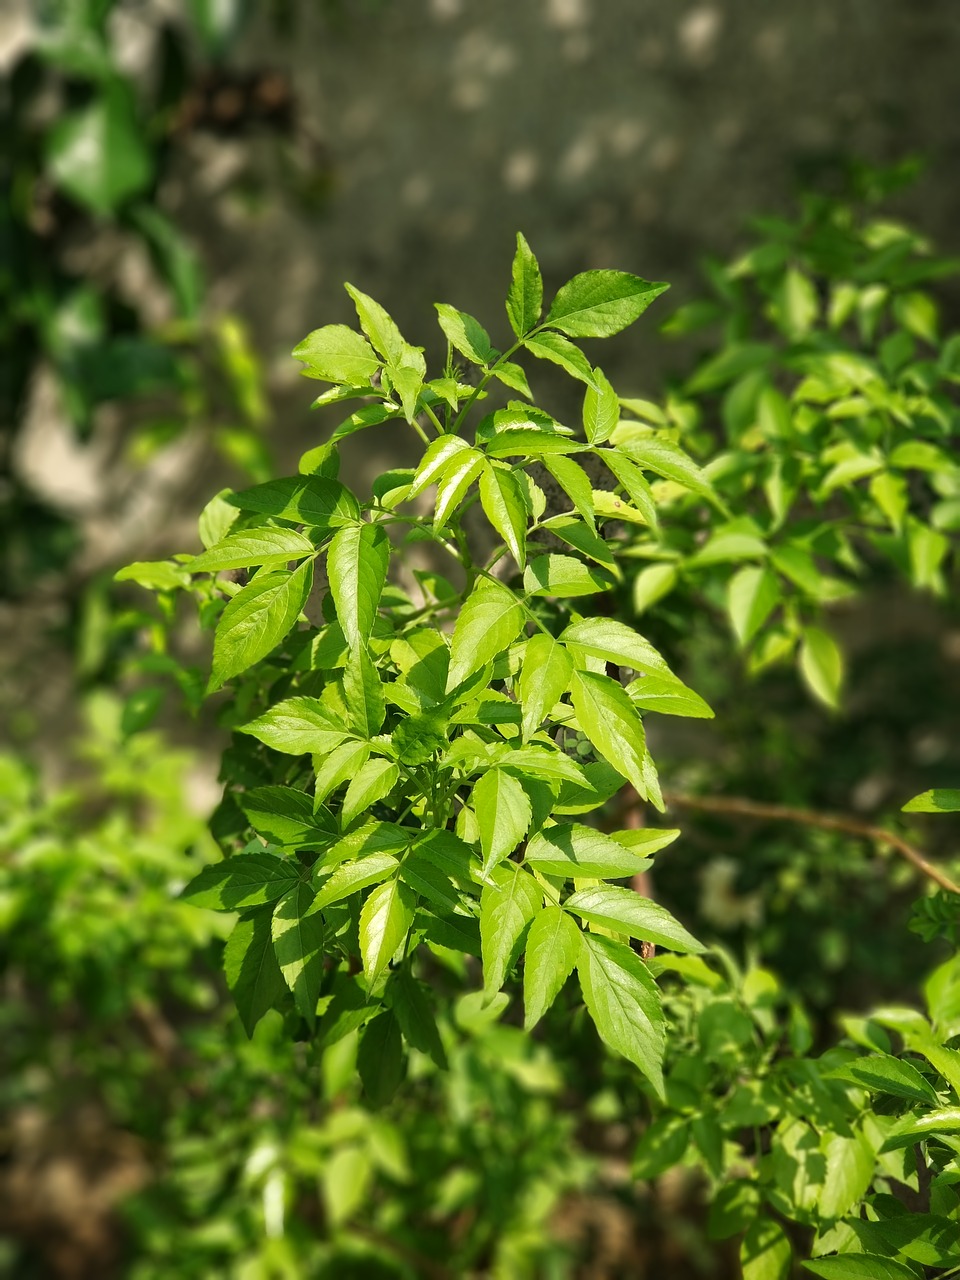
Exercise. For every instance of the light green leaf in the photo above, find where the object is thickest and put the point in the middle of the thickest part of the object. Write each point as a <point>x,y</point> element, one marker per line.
<point>98,155</point>
<point>523,442</point>
<point>245,880</point>
<point>438,454</point>
<point>337,353</point>
<point>296,726</point>
<point>313,500</point>
<point>287,817</point>
<point>357,562</point>
<point>859,1266</point>
<point>503,815</point>
<point>512,376</point>
<point>752,595</point>
<point>251,968</point>
<point>458,475</point>
<point>633,481</point>
<point>363,693</point>
<point>624,1003</point>
<point>564,577</point>
<point>339,766</point>
<point>939,800</point>
<point>384,923</point>
<point>378,325</point>
<point>615,642</point>
<point>598,304</point>
<point>558,350</point>
<point>298,945</point>
<point>552,949</point>
<point>489,621</point>
<point>155,575</point>
<point>525,296</point>
<point>913,1128</point>
<point>544,677</point>
<point>624,911</point>
<point>253,547</point>
<point>821,664</point>
<point>350,877</point>
<point>373,781</point>
<point>668,460</point>
<point>608,718</point>
<point>601,409</point>
<point>465,334</point>
<point>850,1171</point>
<point>575,483</point>
<point>882,1073</point>
<point>575,851</point>
<point>506,908</point>
<point>652,584</point>
<point>256,620</point>
<point>502,499</point>
<point>765,1252</point>
<point>669,696</point>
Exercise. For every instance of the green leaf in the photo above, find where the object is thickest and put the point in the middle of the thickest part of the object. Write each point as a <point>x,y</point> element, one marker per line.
<point>598,304</point>
<point>615,642</point>
<point>357,564</point>
<point>512,376</point>
<point>752,595</point>
<point>652,584</point>
<point>417,1022</point>
<point>558,350</point>
<point>312,500</point>
<point>882,1073</point>
<point>573,850</point>
<point>859,1266</point>
<point>465,334</point>
<point>506,908</point>
<point>544,677</point>
<point>245,880</point>
<point>286,817</point>
<point>608,718</point>
<point>669,696</point>
<point>337,354</point>
<point>525,296</point>
<point>624,911</point>
<point>251,968</point>
<point>630,478</point>
<point>503,815</point>
<point>296,726</point>
<point>939,800</point>
<point>407,377</point>
<point>350,877</point>
<point>765,1253</point>
<point>373,781</point>
<point>668,460</point>
<point>384,923</point>
<point>438,454</point>
<point>155,575</point>
<point>601,409</point>
<point>380,1058</point>
<point>624,1003</point>
<point>256,620</point>
<point>583,539</point>
<point>564,577</point>
<point>524,442</point>
<point>552,949</point>
<point>338,766</point>
<point>489,621</point>
<point>850,1171</point>
<point>575,483</point>
<point>458,475</point>
<point>363,693</point>
<point>821,664</point>
<point>98,155</point>
<point>378,325</point>
<point>253,547</point>
<point>502,499</point>
<point>913,1128</point>
<point>297,930</point>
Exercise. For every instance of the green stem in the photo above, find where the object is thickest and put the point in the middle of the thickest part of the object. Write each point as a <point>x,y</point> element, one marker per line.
<point>441,430</point>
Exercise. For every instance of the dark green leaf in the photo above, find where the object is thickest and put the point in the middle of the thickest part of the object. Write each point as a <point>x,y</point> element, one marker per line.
<point>882,1073</point>
<point>583,539</point>
<point>380,1059</point>
<point>411,1004</point>
<point>312,500</point>
<point>286,817</point>
<point>98,155</point>
<point>859,1266</point>
<point>257,619</point>
<point>245,880</point>
<point>298,945</point>
<point>253,974</point>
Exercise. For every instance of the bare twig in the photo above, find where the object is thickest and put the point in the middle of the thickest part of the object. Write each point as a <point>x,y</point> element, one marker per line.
<point>739,807</point>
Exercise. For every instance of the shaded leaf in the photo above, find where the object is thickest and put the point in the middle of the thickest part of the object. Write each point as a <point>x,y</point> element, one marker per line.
<point>251,968</point>
<point>297,929</point>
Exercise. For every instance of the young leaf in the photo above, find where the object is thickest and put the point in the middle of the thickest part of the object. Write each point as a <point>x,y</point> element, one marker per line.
<point>752,595</point>
<point>297,930</point>
<point>765,1253</point>
<point>287,817</point>
<point>256,620</point>
<point>312,500</point>
<point>337,353</point>
<point>505,909</point>
<point>377,325</point>
<point>489,621</point>
<point>357,569</point>
<point>624,1003</point>
<point>624,911</point>
<point>598,304</point>
<point>465,334</point>
<point>821,664</point>
<point>502,499</point>
<point>296,726</point>
<point>253,547</point>
<point>409,1002</point>
<point>544,677</point>
<point>601,409</point>
<point>608,718</point>
<point>575,851</point>
<point>564,577</point>
<point>553,945</point>
<point>350,877</point>
<point>615,642</point>
<point>525,296</point>
<point>384,923</point>
<point>245,880</point>
<point>503,815</point>
<point>373,781</point>
<point>251,968</point>
<point>558,350</point>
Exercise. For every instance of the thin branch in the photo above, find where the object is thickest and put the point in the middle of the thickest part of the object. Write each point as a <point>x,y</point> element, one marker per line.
<point>738,807</point>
